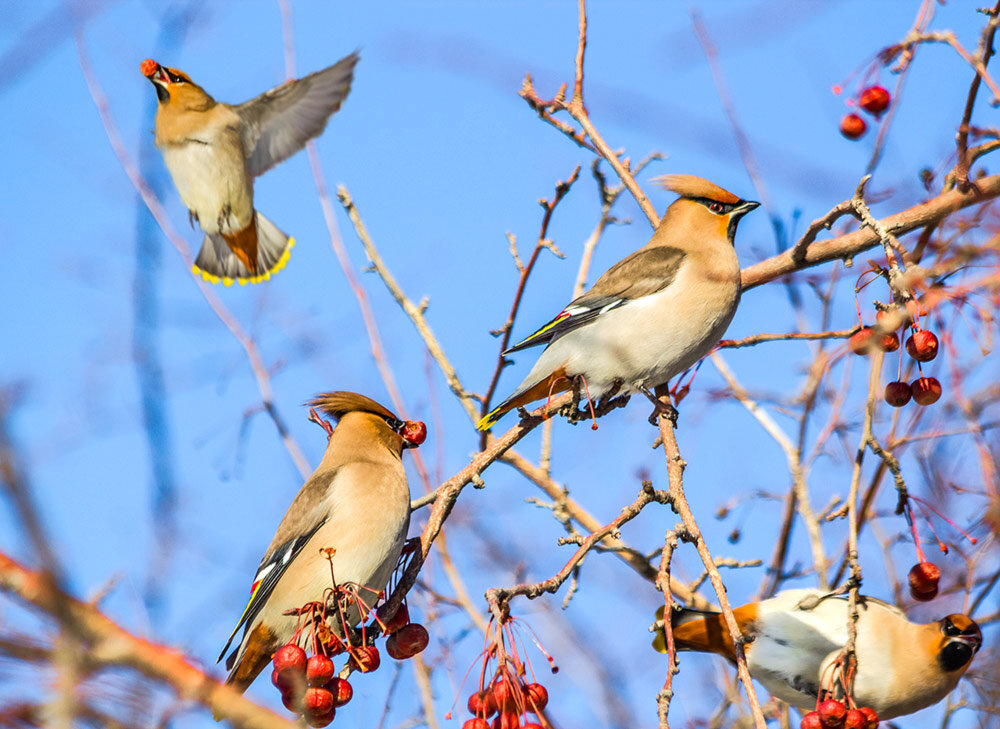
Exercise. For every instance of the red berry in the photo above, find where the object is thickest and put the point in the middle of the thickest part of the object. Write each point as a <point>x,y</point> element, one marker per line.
<point>504,695</point>
<point>811,721</point>
<point>366,658</point>
<point>290,657</point>
<point>401,618</point>
<point>407,642</point>
<point>862,341</point>
<point>341,690</point>
<point>506,720</point>
<point>924,578</point>
<point>482,704</point>
<point>319,670</point>
<point>149,67</point>
<point>853,126</point>
<point>874,100</point>
<point>321,720</point>
<point>317,702</point>
<point>922,346</point>
<point>292,700</point>
<point>476,723</point>
<point>855,720</point>
<point>926,390</point>
<point>832,713</point>
<point>897,394</point>
<point>414,433</point>
<point>889,342</point>
<point>536,697</point>
<point>870,716</point>
<point>533,725</point>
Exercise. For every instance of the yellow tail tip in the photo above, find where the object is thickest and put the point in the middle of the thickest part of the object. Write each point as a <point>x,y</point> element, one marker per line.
<point>244,280</point>
<point>488,420</point>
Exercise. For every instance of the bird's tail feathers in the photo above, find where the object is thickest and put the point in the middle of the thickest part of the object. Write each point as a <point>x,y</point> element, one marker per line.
<point>555,383</point>
<point>218,262</point>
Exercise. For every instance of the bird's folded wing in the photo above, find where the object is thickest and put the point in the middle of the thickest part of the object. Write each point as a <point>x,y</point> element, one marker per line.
<point>272,567</point>
<point>278,123</point>
<point>645,272</point>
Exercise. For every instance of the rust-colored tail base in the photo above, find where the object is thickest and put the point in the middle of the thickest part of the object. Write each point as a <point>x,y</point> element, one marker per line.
<point>555,383</point>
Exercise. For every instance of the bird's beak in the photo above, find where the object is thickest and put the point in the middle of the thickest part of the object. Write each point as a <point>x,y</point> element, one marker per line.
<point>746,207</point>
<point>973,639</point>
<point>157,76</point>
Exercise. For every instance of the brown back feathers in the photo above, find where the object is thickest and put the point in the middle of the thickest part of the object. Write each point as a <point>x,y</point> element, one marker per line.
<point>337,404</point>
<point>691,186</point>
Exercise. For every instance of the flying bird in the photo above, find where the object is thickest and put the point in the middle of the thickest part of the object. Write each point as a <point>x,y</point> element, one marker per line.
<point>902,667</point>
<point>214,150</point>
<point>651,315</point>
<point>356,503</point>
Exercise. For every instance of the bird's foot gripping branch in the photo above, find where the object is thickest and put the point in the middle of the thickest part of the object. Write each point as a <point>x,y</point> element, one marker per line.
<point>310,685</point>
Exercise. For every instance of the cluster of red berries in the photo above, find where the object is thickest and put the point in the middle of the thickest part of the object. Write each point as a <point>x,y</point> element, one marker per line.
<point>405,639</point>
<point>509,699</point>
<point>924,577</point>
<point>922,346</point>
<point>875,100</point>
<point>833,714</point>
<point>308,685</point>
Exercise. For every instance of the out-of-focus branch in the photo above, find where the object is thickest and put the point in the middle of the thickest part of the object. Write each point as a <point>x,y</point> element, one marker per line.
<point>111,645</point>
<point>849,245</point>
<point>758,338</point>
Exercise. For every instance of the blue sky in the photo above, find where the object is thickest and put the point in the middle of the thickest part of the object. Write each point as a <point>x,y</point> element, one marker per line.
<point>442,159</point>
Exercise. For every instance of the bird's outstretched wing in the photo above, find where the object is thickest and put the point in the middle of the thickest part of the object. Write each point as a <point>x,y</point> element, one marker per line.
<point>279,122</point>
<point>645,272</point>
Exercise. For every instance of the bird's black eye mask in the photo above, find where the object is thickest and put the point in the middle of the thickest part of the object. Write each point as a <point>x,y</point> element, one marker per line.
<point>719,208</point>
<point>396,424</point>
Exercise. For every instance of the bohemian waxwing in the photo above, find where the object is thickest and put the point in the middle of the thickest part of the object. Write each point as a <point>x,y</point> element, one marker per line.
<point>357,503</point>
<point>651,315</point>
<point>798,634</point>
<point>214,150</point>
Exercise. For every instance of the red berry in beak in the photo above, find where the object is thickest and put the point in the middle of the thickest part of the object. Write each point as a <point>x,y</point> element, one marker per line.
<point>414,433</point>
<point>924,579</point>
<point>853,126</point>
<point>874,100</point>
<point>926,390</point>
<point>149,67</point>
<point>897,394</point>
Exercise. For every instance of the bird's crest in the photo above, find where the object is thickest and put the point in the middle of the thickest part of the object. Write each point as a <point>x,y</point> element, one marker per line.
<point>694,187</point>
<point>337,404</point>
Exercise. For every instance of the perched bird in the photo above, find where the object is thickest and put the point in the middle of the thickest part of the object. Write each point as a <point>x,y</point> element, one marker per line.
<point>357,503</point>
<point>796,636</point>
<point>214,150</point>
<point>651,315</point>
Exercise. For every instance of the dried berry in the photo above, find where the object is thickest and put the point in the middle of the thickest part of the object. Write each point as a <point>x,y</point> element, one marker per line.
<point>874,100</point>
<point>853,126</point>
<point>342,691</point>
<point>401,618</point>
<point>897,394</point>
<point>811,721</point>
<point>924,578</point>
<point>290,658</point>
<point>862,341</point>
<point>319,671</point>
<point>926,390</point>
<point>317,702</point>
<point>535,697</point>
<point>871,716</point>
<point>832,713</point>
<point>922,345</point>
<point>366,658</point>
<point>482,704</point>
<point>855,720</point>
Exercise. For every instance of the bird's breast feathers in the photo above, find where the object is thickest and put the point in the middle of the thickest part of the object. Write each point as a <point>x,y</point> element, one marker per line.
<point>213,184</point>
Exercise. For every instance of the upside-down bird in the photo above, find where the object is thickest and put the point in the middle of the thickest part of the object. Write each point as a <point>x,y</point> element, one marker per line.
<point>797,635</point>
<point>651,315</point>
<point>357,504</point>
<point>214,150</point>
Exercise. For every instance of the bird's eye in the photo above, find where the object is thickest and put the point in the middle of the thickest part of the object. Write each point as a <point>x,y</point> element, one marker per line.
<point>715,207</point>
<point>176,77</point>
<point>395,424</point>
<point>949,628</point>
